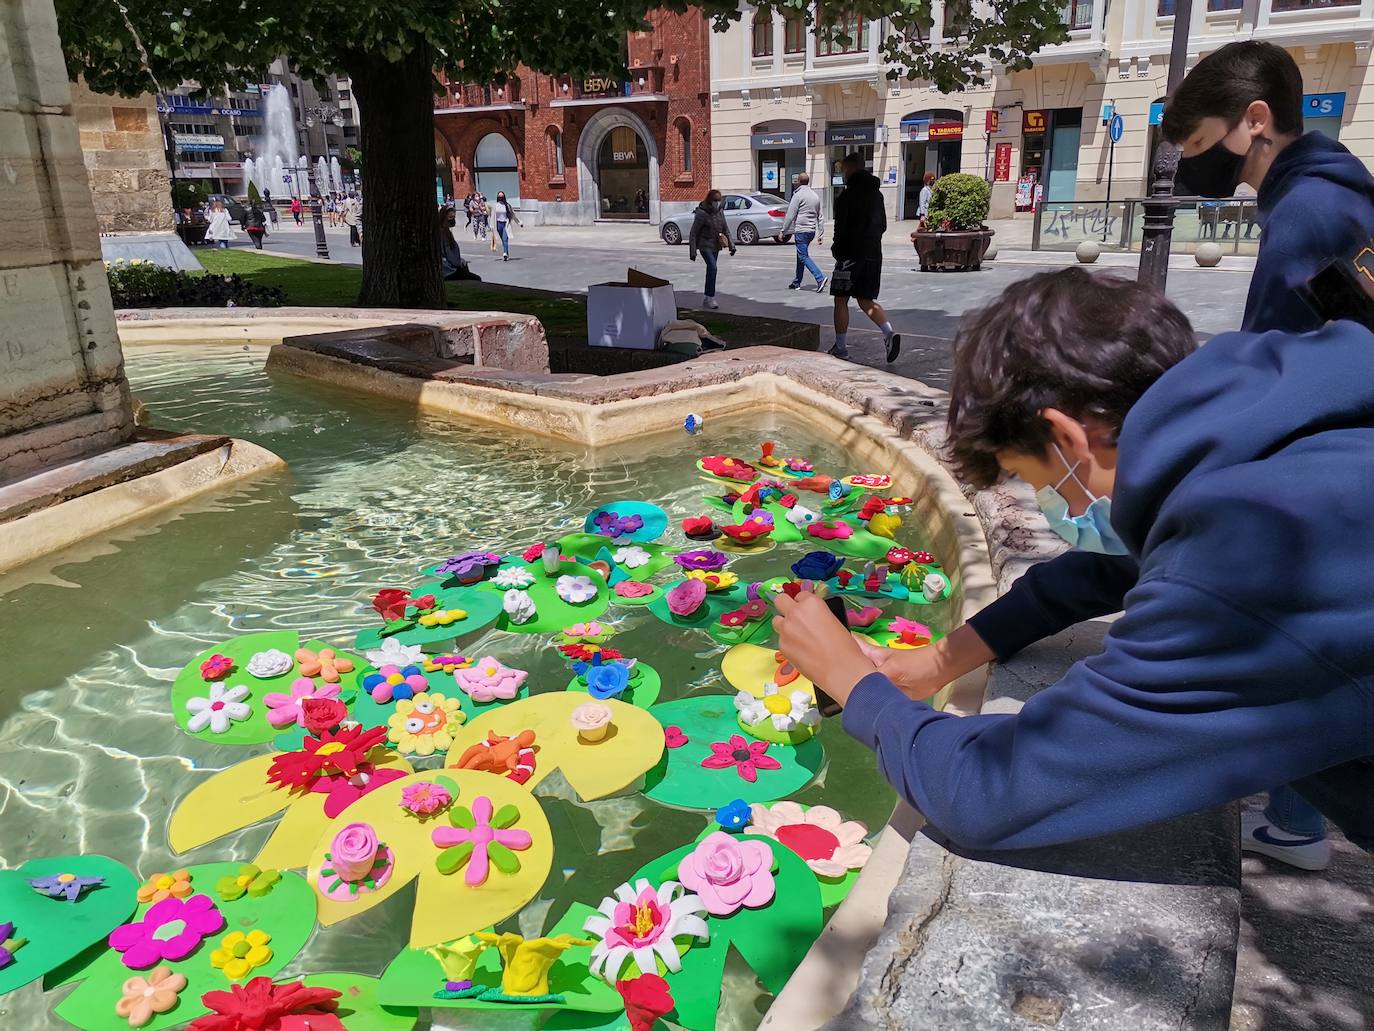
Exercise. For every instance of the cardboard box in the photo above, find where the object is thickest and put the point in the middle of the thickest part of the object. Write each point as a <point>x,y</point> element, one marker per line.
<point>629,314</point>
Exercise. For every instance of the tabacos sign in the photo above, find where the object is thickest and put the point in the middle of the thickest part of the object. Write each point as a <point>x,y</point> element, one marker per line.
<point>1033,123</point>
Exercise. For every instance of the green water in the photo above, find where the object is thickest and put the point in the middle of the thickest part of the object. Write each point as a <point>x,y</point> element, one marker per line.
<point>90,757</point>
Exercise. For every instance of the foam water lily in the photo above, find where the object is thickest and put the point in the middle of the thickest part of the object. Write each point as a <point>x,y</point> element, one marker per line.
<point>489,680</point>
<point>785,712</point>
<point>217,710</point>
<point>639,923</point>
<point>632,557</point>
<point>519,606</point>
<point>575,590</point>
<point>394,653</point>
<point>512,578</point>
<point>285,709</point>
<point>830,844</point>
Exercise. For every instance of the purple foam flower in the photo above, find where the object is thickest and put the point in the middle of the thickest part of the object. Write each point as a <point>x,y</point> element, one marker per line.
<point>467,563</point>
<point>63,885</point>
<point>609,524</point>
<point>170,930</point>
<point>707,559</point>
<point>7,949</point>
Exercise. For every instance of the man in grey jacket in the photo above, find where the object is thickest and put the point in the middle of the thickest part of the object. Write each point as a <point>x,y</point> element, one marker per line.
<point>807,224</point>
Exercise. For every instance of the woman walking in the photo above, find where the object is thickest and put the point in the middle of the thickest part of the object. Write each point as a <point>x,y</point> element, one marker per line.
<point>504,214</point>
<point>709,235</point>
<point>479,217</point>
<point>296,210</point>
<point>923,201</point>
<point>255,224</point>
<point>220,228</point>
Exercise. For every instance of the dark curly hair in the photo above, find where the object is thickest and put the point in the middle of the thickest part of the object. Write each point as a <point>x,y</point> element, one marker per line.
<point>1085,344</point>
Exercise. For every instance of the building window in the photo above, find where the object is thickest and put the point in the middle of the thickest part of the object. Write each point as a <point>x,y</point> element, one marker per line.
<point>556,152</point>
<point>793,34</point>
<point>850,32</point>
<point>1311,5</point>
<point>1078,14</point>
<point>684,132</point>
<point>763,35</point>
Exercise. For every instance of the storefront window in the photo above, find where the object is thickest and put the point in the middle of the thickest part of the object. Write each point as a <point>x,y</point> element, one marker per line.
<point>794,35</point>
<point>850,36</point>
<point>495,168</point>
<point>763,35</point>
<point>622,175</point>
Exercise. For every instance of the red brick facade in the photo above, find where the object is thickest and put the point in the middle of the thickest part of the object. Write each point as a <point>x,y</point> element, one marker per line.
<point>666,102</point>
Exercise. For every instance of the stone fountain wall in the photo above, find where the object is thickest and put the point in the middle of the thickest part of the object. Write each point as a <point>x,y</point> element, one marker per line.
<point>126,161</point>
<point>62,388</point>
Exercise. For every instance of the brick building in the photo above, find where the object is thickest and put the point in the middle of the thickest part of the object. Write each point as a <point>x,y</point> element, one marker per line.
<point>570,152</point>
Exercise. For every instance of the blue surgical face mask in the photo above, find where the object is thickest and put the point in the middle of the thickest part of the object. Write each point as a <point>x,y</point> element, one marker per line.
<point>1091,531</point>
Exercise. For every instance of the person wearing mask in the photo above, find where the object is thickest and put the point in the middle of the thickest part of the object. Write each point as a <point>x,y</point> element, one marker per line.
<point>923,201</point>
<point>255,224</point>
<point>296,209</point>
<point>806,222</point>
<point>479,217</point>
<point>219,228</point>
<point>504,215</point>
<point>352,211</point>
<point>451,260</point>
<point>1176,472</point>
<point>709,234</point>
<point>860,221</point>
<point>1238,117</point>
<point>467,211</point>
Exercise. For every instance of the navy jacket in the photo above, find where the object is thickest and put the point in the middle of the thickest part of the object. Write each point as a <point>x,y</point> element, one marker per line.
<point>1315,203</point>
<point>1245,656</point>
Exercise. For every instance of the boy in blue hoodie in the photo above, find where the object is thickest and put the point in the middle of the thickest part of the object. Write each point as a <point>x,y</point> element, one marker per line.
<point>1238,118</point>
<point>1209,496</point>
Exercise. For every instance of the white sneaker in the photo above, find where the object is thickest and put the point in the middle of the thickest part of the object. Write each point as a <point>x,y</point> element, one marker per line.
<point>710,302</point>
<point>1257,834</point>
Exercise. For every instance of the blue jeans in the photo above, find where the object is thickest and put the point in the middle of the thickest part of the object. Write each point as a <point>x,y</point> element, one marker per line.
<point>710,258</point>
<point>505,238</point>
<point>222,244</point>
<point>1290,812</point>
<point>804,262</point>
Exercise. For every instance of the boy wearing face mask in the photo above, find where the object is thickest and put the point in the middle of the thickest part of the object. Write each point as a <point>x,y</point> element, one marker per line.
<point>1234,547</point>
<point>1238,118</point>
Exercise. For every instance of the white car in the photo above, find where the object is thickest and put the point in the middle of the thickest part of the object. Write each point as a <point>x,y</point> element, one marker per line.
<point>750,217</point>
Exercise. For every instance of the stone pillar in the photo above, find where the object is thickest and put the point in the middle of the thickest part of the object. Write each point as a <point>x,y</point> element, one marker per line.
<point>126,161</point>
<point>62,387</point>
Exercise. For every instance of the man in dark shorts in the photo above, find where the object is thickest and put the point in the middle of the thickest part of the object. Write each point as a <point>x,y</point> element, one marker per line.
<point>860,222</point>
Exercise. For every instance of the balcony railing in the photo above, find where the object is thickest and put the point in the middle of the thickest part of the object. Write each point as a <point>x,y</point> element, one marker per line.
<point>643,82</point>
<point>468,94</point>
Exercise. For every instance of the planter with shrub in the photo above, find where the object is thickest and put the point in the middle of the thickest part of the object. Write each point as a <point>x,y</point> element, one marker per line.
<point>141,284</point>
<point>952,236</point>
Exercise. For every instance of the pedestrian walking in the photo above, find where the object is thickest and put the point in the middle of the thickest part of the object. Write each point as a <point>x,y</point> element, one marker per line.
<point>272,213</point>
<point>504,214</point>
<point>296,208</point>
<point>806,222</point>
<point>220,228</point>
<point>467,211</point>
<point>479,217</point>
<point>860,221</point>
<point>709,234</point>
<point>923,201</point>
<point>352,217</point>
<point>255,224</point>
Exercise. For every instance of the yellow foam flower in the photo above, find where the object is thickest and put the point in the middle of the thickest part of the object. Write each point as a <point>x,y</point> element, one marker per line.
<point>424,724</point>
<point>239,953</point>
<point>884,525</point>
<point>442,617</point>
<point>722,580</point>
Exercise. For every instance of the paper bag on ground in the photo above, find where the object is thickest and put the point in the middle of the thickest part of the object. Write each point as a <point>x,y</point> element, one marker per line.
<point>629,314</point>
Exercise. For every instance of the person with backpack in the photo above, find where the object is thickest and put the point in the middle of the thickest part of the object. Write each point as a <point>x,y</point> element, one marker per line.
<point>255,224</point>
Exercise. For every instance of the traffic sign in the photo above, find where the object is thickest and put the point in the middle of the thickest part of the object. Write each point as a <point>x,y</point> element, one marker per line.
<point>1116,128</point>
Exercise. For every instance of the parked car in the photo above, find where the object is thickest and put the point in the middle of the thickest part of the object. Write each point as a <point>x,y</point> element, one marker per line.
<point>237,212</point>
<point>750,217</point>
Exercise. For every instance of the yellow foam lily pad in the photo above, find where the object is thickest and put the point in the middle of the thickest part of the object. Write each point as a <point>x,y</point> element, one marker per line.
<point>748,667</point>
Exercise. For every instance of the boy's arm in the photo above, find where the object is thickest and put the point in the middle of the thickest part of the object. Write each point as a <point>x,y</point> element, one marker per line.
<point>1192,703</point>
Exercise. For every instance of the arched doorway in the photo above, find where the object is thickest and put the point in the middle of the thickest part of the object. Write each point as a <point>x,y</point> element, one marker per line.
<point>618,168</point>
<point>932,141</point>
<point>443,168</point>
<point>494,168</point>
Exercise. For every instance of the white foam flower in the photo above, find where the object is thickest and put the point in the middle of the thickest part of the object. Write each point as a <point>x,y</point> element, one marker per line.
<point>800,515</point>
<point>750,709</point>
<point>575,589</point>
<point>830,844</point>
<point>224,705</point>
<point>934,586</point>
<point>639,922</point>
<point>394,653</point>
<point>632,557</point>
<point>271,663</point>
<point>513,578</point>
<point>519,606</point>
<point>787,711</point>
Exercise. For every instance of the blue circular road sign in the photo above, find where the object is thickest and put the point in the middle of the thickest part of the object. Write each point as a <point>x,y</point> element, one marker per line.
<point>1116,128</point>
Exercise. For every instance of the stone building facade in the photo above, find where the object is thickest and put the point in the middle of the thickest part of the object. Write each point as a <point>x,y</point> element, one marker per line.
<point>121,141</point>
<point>571,151</point>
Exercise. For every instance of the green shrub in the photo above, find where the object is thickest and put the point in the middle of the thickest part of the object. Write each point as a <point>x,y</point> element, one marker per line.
<point>958,202</point>
<point>141,284</point>
<point>254,197</point>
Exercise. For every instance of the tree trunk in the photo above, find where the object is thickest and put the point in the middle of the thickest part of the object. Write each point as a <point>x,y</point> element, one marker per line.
<point>400,256</point>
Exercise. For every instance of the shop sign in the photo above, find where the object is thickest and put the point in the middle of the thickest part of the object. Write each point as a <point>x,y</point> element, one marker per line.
<point>1157,113</point>
<point>840,135</point>
<point>1034,123</point>
<point>1323,105</point>
<point>198,141</point>
<point>597,85</point>
<point>915,132</point>
<point>775,140</point>
<point>1001,163</point>
<point>991,119</point>
<point>946,130</point>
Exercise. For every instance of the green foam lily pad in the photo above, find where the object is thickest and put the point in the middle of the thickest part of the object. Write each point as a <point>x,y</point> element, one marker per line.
<point>784,532</point>
<point>551,613</point>
<point>585,546</point>
<point>642,692</point>
<point>358,1006</point>
<point>680,780</point>
<point>473,599</point>
<point>287,913</point>
<point>707,617</point>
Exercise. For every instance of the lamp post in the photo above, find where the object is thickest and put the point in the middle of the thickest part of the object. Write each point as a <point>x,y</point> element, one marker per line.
<point>1157,233</point>
<point>325,113</point>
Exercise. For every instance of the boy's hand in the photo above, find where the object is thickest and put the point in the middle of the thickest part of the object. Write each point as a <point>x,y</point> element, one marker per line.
<point>819,646</point>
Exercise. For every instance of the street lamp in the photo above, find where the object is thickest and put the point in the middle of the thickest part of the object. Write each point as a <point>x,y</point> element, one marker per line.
<point>327,113</point>
<point>1156,234</point>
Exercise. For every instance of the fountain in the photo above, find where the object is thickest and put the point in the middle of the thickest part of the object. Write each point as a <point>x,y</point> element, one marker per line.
<point>322,176</point>
<point>336,176</point>
<point>280,156</point>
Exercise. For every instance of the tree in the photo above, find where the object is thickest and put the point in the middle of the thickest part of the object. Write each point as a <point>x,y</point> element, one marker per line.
<point>391,49</point>
<point>254,197</point>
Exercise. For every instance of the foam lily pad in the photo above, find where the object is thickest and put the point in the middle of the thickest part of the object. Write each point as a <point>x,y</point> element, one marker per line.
<point>680,780</point>
<point>359,1005</point>
<point>54,930</point>
<point>255,729</point>
<point>643,690</point>
<point>552,613</point>
<point>414,976</point>
<point>784,532</point>
<point>287,913</point>
<point>479,604</point>
<point>707,617</point>
<point>655,520</point>
<point>747,667</point>
<point>586,546</point>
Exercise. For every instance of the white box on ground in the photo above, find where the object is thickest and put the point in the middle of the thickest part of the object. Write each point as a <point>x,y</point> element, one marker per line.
<point>629,314</point>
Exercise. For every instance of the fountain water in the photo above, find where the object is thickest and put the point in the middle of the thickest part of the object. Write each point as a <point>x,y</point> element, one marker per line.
<point>280,156</point>
<point>322,176</point>
<point>336,175</point>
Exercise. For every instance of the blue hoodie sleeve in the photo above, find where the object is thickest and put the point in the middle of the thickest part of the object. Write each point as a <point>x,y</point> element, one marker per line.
<point>1053,596</point>
<point>1192,703</point>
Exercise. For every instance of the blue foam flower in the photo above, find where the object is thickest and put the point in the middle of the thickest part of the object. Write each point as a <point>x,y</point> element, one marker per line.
<point>607,681</point>
<point>64,885</point>
<point>733,816</point>
<point>817,565</point>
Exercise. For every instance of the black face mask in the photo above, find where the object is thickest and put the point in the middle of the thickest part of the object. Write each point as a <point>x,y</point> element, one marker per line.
<point>1213,173</point>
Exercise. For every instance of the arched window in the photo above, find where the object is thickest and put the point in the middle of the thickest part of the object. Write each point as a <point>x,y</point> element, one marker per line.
<point>684,134</point>
<point>555,155</point>
<point>494,163</point>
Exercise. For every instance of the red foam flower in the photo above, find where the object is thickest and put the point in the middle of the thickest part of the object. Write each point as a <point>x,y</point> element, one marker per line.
<point>792,588</point>
<point>261,1005</point>
<point>323,714</point>
<point>673,737</point>
<point>788,500</point>
<point>422,604</point>
<point>333,752</point>
<point>587,652</point>
<point>698,526</point>
<point>748,531</point>
<point>216,667</point>
<point>533,552</point>
<point>871,507</point>
<point>390,603</point>
<point>730,468</point>
<point>646,999</point>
